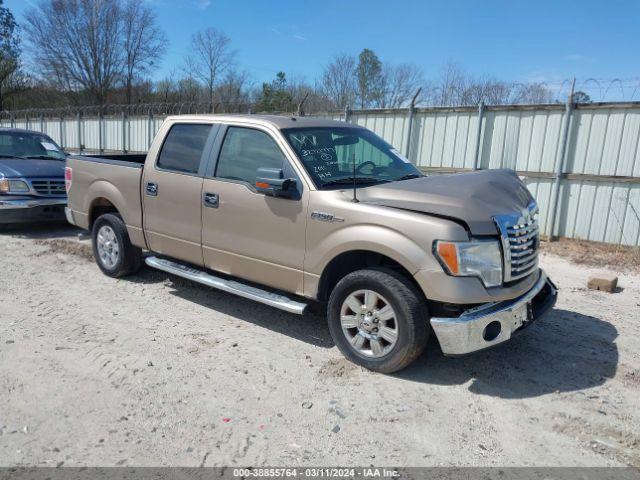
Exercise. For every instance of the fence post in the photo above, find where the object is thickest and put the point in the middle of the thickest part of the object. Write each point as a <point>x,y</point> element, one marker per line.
<point>61,128</point>
<point>100,145</point>
<point>476,158</point>
<point>124,132</point>
<point>79,117</point>
<point>42,122</point>
<point>149,121</point>
<point>412,108</point>
<point>26,120</point>
<point>13,120</point>
<point>347,113</point>
<point>555,194</point>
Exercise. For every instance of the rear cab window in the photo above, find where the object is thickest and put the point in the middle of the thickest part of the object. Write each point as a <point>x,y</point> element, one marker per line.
<point>183,148</point>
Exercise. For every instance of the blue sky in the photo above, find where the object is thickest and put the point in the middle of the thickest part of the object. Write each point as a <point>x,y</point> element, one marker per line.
<point>512,40</point>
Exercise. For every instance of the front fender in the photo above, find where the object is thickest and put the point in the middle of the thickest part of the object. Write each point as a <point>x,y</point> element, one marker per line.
<point>373,238</point>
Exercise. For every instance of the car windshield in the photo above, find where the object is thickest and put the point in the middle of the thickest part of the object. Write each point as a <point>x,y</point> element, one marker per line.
<point>329,155</point>
<point>16,144</point>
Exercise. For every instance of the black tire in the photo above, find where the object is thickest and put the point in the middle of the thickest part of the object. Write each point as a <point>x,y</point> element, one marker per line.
<point>129,259</point>
<point>410,313</point>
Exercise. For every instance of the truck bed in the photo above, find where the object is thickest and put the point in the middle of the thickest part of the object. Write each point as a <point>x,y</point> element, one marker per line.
<point>103,181</point>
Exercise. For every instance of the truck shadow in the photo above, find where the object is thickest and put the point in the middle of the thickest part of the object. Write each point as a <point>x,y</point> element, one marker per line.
<point>43,230</point>
<point>565,351</point>
<point>310,328</point>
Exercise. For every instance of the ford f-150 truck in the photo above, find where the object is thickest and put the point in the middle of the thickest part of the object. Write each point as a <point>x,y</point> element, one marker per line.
<point>292,210</point>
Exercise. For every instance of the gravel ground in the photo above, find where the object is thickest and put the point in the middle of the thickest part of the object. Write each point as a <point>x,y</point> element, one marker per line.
<point>154,370</point>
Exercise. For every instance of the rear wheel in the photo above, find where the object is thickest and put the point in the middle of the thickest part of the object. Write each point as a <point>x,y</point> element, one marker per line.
<point>378,320</point>
<point>114,253</point>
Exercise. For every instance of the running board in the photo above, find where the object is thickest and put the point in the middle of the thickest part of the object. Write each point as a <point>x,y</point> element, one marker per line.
<point>230,286</point>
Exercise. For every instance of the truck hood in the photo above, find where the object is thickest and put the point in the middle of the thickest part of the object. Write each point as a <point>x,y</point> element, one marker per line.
<point>473,197</point>
<point>31,168</point>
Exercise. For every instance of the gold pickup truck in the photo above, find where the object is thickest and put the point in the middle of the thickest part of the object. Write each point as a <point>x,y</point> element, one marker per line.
<point>292,210</point>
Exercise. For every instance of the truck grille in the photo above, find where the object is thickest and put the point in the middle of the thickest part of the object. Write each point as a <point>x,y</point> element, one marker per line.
<point>49,187</point>
<point>520,241</point>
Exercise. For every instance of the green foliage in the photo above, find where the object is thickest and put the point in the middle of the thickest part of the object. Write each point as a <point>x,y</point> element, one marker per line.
<point>581,97</point>
<point>274,96</point>
<point>370,78</point>
<point>10,77</point>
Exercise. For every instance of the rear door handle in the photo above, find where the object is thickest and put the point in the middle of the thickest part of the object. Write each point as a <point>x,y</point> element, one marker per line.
<point>211,200</point>
<point>152,189</point>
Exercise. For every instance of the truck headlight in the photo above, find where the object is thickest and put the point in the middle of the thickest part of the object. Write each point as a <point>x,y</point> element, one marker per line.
<point>478,258</point>
<point>14,186</point>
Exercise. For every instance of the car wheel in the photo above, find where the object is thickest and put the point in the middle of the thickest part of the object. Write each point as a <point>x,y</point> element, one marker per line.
<point>114,253</point>
<point>378,320</point>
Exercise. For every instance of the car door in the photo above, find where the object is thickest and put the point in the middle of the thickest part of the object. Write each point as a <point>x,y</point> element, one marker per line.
<point>172,192</point>
<point>246,233</point>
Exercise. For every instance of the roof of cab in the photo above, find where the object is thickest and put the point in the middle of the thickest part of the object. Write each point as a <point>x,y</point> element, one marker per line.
<point>278,121</point>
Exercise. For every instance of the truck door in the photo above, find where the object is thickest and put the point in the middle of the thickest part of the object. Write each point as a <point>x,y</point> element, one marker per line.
<point>172,192</point>
<point>246,233</point>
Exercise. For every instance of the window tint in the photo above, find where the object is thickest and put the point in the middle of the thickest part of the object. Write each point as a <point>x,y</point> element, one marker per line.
<point>244,151</point>
<point>183,147</point>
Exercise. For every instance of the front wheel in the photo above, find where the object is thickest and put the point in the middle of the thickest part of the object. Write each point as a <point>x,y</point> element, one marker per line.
<point>114,253</point>
<point>378,320</point>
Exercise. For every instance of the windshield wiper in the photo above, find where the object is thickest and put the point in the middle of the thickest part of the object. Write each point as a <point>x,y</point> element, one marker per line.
<point>409,176</point>
<point>351,180</point>
<point>11,156</point>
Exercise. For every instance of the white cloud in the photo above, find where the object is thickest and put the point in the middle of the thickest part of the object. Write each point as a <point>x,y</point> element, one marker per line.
<point>203,4</point>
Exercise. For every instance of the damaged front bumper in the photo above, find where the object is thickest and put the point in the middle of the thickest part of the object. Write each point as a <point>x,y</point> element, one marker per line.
<point>492,323</point>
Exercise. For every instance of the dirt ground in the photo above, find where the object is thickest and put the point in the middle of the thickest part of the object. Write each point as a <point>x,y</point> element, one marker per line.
<point>155,370</point>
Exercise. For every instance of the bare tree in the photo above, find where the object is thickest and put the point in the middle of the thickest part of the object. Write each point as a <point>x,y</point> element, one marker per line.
<point>211,58</point>
<point>233,91</point>
<point>143,42</point>
<point>77,43</point>
<point>189,90</point>
<point>400,84</point>
<point>449,87</point>
<point>532,93</point>
<point>456,87</point>
<point>338,81</point>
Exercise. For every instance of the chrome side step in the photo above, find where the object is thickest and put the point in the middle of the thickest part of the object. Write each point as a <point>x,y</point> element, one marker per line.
<point>237,288</point>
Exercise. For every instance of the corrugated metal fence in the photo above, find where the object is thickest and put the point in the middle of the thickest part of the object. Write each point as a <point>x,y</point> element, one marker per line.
<point>598,195</point>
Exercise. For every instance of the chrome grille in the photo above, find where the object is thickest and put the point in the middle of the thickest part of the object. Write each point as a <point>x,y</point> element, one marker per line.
<point>49,187</point>
<point>520,241</point>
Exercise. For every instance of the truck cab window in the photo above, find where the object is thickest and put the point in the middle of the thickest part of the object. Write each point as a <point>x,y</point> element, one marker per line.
<point>182,149</point>
<point>244,151</point>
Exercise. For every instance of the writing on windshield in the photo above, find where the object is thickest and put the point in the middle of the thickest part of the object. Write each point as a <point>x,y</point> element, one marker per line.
<point>334,154</point>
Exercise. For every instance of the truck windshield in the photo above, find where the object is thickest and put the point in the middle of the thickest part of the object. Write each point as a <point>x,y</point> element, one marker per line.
<point>15,144</point>
<point>329,155</point>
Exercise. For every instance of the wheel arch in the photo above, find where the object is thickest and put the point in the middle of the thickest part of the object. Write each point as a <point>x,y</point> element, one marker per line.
<point>358,259</point>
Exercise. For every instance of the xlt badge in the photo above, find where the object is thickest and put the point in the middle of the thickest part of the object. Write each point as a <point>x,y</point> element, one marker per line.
<point>326,217</point>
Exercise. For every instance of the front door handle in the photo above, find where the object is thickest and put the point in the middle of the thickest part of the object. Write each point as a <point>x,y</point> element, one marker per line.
<point>152,189</point>
<point>211,200</point>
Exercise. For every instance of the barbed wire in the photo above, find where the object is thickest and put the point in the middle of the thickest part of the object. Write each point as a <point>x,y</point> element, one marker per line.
<point>598,89</point>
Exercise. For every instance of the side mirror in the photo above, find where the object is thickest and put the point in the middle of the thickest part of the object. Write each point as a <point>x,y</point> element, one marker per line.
<point>270,181</point>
